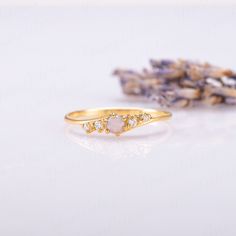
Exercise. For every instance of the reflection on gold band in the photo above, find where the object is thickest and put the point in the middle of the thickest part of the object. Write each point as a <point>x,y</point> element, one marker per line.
<point>133,145</point>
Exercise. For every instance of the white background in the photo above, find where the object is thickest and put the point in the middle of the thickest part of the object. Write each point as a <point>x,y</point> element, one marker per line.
<point>116,2</point>
<point>173,179</point>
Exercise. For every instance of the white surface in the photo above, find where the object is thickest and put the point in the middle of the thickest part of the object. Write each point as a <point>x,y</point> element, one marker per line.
<point>178,180</point>
<point>116,2</point>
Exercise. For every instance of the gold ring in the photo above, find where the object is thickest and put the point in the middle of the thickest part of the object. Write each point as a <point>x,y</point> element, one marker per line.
<point>115,120</point>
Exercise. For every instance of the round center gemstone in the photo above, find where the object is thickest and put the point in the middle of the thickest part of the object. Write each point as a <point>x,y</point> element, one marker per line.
<point>115,124</point>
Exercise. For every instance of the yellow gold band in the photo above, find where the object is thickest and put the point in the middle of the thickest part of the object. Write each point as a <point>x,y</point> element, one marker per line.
<point>115,120</point>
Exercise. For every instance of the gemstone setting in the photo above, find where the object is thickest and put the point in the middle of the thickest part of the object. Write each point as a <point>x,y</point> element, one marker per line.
<point>132,122</point>
<point>145,117</point>
<point>98,125</point>
<point>86,127</point>
<point>115,124</point>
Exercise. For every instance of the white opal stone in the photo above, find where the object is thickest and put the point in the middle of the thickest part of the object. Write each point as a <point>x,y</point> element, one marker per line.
<point>115,124</point>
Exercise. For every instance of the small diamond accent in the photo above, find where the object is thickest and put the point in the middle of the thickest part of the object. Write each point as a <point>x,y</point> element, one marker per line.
<point>132,122</point>
<point>86,127</point>
<point>146,117</point>
<point>98,125</point>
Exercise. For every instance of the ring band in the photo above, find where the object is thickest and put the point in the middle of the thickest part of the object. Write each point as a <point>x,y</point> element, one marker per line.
<point>115,120</point>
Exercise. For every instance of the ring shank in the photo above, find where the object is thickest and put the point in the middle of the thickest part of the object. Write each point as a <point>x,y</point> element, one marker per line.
<point>83,116</point>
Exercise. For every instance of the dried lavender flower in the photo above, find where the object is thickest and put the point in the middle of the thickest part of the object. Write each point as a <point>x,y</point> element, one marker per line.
<point>180,83</point>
